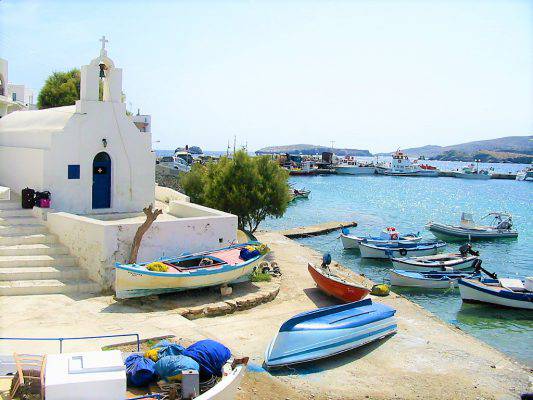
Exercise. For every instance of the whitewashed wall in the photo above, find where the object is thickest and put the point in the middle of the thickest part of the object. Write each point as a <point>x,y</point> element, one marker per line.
<point>99,244</point>
<point>21,167</point>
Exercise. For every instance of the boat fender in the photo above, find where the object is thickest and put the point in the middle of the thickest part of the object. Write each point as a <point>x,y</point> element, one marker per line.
<point>380,290</point>
<point>403,252</point>
<point>394,236</point>
<point>326,259</point>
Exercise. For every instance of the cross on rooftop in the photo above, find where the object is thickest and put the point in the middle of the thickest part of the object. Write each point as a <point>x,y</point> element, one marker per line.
<point>104,41</point>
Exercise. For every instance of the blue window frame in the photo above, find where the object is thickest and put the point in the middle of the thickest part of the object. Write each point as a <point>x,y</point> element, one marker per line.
<point>73,172</point>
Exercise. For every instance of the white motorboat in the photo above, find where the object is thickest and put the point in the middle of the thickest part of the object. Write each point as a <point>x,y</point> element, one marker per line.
<point>471,172</point>
<point>428,280</point>
<point>396,250</point>
<point>387,235</point>
<point>525,175</point>
<point>514,293</point>
<point>402,166</point>
<point>500,227</point>
<point>350,166</point>
<point>438,262</point>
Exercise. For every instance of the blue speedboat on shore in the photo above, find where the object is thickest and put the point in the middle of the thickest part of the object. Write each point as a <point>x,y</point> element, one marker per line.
<point>327,331</point>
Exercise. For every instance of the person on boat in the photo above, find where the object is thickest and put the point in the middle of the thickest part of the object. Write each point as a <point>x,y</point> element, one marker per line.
<point>466,249</point>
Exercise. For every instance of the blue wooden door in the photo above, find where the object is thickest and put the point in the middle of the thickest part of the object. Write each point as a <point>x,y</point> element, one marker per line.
<point>102,181</point>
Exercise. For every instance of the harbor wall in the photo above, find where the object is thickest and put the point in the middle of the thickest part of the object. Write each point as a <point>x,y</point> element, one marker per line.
<point>99,244</point>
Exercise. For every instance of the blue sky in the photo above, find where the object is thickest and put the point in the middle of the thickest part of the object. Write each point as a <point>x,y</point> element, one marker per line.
<point>374,75</point>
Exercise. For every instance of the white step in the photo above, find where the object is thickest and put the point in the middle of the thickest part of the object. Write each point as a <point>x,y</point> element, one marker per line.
<point>32,249</point>
<point>20,220</point>
<point>16,213</point>
<point>37,261</point>
<point>39,273</point>
<point>47,286</point>
<point>28,229</point>
<point>28,239</point>
<point>10,205</point>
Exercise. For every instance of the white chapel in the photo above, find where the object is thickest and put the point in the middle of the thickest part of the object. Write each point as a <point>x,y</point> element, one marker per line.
<point>89,156</point>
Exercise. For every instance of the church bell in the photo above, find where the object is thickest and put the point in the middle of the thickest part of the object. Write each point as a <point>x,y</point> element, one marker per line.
<point>102,70</point>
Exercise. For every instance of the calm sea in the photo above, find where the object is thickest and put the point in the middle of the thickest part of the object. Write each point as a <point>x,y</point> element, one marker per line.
<point>409,203</point>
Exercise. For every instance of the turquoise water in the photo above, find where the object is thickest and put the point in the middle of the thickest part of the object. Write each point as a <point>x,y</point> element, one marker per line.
<point>408,204</point>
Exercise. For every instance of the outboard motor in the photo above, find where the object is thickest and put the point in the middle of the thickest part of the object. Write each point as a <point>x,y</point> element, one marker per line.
<point>466,249</point>
<point>478,268</point>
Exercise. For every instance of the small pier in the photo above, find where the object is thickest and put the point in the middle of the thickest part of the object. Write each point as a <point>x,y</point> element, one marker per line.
<point>494,175</point>
<point>316,230</point>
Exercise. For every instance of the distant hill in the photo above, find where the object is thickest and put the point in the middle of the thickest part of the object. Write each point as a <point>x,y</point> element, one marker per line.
<point>485,156</point>
<point>311,149</point>
<point>509,144</point>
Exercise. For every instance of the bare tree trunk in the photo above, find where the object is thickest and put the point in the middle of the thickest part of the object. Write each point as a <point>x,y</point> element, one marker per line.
<point>151,216</point>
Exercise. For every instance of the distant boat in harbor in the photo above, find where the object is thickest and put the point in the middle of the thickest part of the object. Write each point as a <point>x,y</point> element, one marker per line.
<point>349,166</point>
<point>471,172</point>
<point>402,166</point>
<point>525,175</point>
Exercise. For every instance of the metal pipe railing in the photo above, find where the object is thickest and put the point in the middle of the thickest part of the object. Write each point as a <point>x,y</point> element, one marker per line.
<point>62,339</point>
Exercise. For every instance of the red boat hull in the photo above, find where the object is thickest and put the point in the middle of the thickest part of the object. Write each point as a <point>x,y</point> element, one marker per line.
<point>337,288</point>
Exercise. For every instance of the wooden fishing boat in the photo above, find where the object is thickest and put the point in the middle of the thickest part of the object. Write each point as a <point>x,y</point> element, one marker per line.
<point>387,235</point>
<point>336,286</point>
<point>438,262</point>
<point>396,250</point>
<point>501,227</point>
<point>210,268</point>
<point>513,293</point>
<point>327,331</point>
<point>428,280</point>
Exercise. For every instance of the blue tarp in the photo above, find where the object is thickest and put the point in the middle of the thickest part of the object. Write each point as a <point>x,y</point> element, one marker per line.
<point>210,355</point>
<point>246,254</point>
<point>172,366</point>
<point>167,348</point>
<point>140,371</point>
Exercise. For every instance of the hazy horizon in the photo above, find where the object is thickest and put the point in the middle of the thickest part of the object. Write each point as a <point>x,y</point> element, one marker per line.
<point>373,75</point>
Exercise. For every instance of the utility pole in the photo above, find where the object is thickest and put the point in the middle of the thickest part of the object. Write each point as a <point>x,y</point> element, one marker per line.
<point>234,143</point>
<point>332,143</point>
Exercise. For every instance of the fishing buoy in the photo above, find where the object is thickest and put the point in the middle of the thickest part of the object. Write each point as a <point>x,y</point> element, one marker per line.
<point>381,289</point>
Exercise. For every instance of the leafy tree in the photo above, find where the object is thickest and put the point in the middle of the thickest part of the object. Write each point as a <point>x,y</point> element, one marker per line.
<point>60,89</point>
<point>252,188</point>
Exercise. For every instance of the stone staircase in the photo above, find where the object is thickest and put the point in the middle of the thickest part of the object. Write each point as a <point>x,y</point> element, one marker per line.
<point>32,261</point>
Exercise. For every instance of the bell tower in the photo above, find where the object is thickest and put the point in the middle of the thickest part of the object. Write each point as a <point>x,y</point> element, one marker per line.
<point>101,69</point>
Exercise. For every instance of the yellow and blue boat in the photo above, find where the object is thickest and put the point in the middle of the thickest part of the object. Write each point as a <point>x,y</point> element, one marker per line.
<point>231,264</point>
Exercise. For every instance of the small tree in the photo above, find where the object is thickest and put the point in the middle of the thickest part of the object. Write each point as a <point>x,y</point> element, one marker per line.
<point>252,188</point>
<point>60,89</point>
